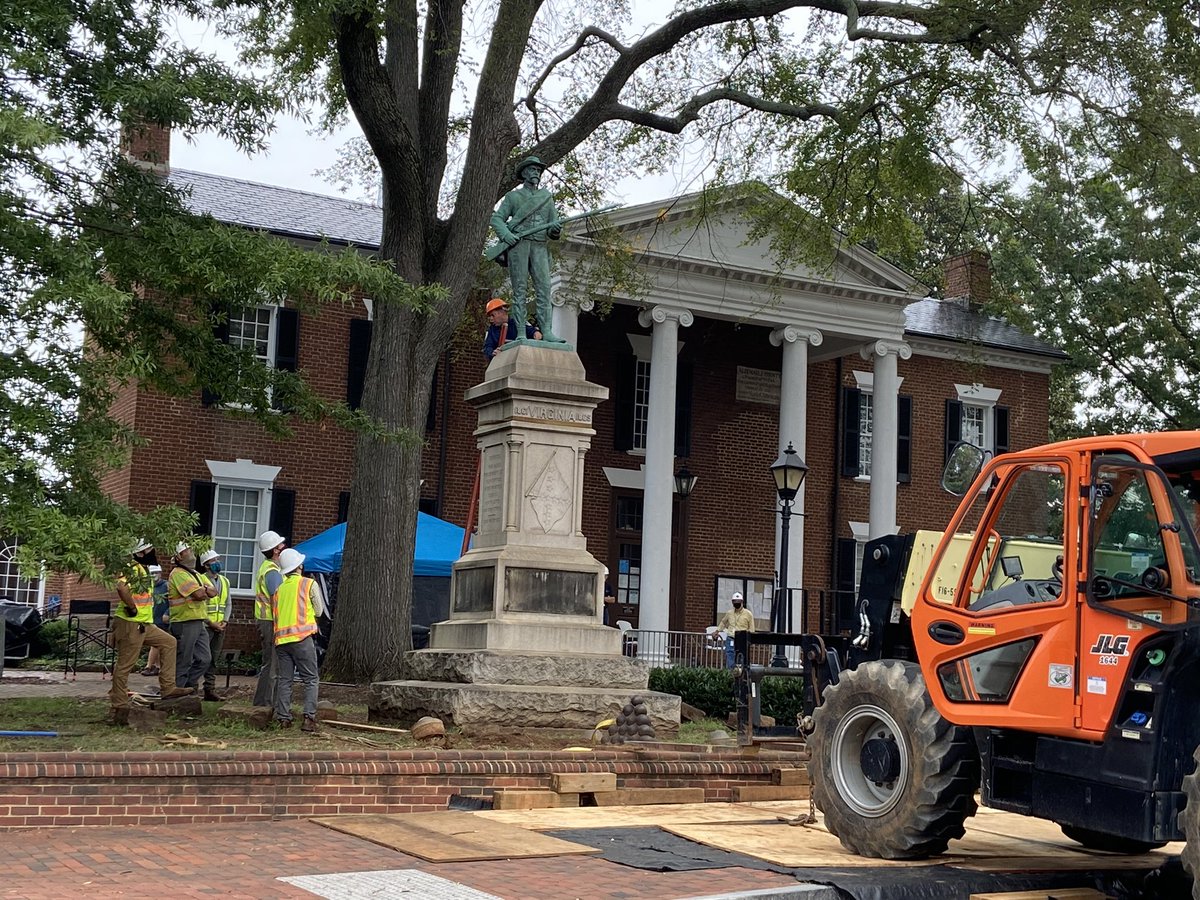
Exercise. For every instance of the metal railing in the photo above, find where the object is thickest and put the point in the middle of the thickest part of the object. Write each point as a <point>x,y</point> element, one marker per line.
<point>683,649</point>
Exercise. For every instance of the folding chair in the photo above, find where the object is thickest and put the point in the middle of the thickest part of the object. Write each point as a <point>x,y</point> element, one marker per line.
<point>81,635</point>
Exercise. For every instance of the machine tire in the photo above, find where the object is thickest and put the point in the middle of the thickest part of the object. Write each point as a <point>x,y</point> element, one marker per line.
<point>1110,843</point>
<point>1189,824</point>
<point>919,811</point>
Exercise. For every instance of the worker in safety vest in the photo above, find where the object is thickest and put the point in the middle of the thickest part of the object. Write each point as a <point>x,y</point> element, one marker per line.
<point>295,607</point>
<point>188,593</point>
<point>133,626</point>
<point>266,582</point>
<point>220,609</point>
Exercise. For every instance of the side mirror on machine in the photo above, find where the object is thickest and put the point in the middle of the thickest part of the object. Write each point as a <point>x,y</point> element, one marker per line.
<point>962,468</point>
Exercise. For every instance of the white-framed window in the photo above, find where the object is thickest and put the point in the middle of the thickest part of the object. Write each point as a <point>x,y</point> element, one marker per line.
<point>241,512</point>
<point>866,429</point>
<point>859,531</point>
<point>15,587</point>
<point>978,414</point>
<point>254,328</point>
<point>641,403</point>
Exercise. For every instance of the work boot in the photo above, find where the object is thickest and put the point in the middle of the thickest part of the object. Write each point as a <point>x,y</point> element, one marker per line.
<point>118,715</point>
<point>284,723</point>
<point>210,694</point>
<point>172,693</point>
<point>309,724</point>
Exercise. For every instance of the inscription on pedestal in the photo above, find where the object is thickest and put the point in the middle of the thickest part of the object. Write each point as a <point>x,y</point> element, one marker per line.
<point>549,591</point>
<point>491,491</point>
<point>553,413</point>
<point>473,589</point>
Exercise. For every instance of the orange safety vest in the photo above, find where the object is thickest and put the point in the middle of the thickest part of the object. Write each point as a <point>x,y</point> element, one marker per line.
<point>293,611</point>
<point>262,600</point>
<point>142,590</point>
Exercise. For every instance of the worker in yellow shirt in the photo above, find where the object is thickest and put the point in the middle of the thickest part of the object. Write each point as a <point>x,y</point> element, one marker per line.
<point>188,593</point>
<point>133,626</point>
<point>737,619</point>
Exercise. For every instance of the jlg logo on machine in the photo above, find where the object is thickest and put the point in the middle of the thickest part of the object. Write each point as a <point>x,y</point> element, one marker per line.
<point>1110,648</point>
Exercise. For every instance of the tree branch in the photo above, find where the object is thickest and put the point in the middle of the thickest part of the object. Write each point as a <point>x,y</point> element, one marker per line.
<point>530,99</point>
<point>439,58</point>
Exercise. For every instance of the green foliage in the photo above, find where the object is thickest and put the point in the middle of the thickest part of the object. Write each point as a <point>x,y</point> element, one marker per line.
<point>712,691</point>
<point>50,640</point>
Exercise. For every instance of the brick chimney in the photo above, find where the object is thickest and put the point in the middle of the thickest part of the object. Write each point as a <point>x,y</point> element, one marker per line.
<point>968,278</point>
<point>147,144</point>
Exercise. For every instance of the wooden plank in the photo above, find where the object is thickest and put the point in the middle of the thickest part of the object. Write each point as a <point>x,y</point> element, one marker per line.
<point>634,816</point>
<point>452,837</point>
<point>763,792</point>
<point>583,782</point>
<point>506,799</point>
<point>644,796</point>
<point>1082,893</point>
<point>359,726</point>
<point>780,775</point>
<point>567,801</point>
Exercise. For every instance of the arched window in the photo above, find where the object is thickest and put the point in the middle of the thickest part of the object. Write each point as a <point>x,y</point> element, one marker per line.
<point>13,587</point>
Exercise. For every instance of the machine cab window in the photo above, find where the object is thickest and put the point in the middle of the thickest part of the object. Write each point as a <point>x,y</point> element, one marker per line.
<point>1023,516</point>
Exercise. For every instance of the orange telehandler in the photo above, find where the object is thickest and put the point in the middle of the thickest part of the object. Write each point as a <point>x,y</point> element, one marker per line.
<point>1045,655</point>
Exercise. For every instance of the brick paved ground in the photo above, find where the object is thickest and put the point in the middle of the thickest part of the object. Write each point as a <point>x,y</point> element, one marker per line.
<point>27,683</point>
<point>203,861</point>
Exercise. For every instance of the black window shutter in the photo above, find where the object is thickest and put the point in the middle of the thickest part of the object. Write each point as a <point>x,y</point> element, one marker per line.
<point>684,372</point>
<point>953,426</point>
<point>283,511</point>
<point>904,439</point>
<point>221,333</point>
<point>343,507</point>
<point>850,413</point>
<point>1001,424</point>
<point>201,502</point>
<point>356,360</point>
<point>287,340</point>
<point>623,402</point>
<point>844,615</point>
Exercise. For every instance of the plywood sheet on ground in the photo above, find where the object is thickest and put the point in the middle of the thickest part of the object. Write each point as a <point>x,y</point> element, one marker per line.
<point>998,842</point>
<point>629,816</point>
<point>452,837</point>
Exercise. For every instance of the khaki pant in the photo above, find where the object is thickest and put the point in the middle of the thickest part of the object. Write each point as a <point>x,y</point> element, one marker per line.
<point>128,637</point>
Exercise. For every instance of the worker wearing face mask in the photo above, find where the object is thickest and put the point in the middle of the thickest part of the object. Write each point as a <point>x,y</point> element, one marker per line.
<point>220,609</point>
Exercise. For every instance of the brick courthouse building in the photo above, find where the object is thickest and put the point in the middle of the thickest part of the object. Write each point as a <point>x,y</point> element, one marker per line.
<point>876,379</point>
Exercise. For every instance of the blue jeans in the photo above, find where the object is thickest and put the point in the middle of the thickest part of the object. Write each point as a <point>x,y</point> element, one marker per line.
<point>729,654</point>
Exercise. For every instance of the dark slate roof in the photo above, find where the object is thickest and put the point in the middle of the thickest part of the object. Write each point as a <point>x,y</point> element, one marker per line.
<point>282,211</point>
<point>950,320</point>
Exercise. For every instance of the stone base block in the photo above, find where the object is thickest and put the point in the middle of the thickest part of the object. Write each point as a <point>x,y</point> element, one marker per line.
<point>535,636</point>
<point>505,667</point>
<point>512,706</point>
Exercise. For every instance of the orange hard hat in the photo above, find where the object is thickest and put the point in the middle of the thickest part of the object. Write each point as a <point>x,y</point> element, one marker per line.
<point>496,303</point>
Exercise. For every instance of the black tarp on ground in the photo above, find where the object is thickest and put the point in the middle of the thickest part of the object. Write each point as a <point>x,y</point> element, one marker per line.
<point>651,848</point>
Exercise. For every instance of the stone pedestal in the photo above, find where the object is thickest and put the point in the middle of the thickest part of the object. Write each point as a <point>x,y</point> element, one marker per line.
<point>524,645</point>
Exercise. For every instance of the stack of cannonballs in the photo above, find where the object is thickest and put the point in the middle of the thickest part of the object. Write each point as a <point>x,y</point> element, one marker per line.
<point>632,724</point>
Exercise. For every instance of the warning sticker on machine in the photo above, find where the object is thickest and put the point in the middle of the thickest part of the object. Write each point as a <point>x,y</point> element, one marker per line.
<point>1061,676</point>
<point>1097,685</point>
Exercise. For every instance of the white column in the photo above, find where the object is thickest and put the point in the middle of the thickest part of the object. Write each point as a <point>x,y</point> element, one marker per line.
<point>884,431</point>
<point>793,428</point>
<point>565,316</point>
<point>660,467</point>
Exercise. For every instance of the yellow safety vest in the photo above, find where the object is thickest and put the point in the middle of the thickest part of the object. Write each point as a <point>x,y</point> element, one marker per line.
<point>262,600</point>
<point>180,586</point>
<point>293,611</point>
<point>142,590</point>
<point>216,605</point>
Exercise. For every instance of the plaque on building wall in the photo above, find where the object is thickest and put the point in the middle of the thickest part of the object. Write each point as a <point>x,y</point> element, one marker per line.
<point>757,385</point>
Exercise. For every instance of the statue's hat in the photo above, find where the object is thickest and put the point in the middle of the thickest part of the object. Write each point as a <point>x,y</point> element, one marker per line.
<point>531,161</point>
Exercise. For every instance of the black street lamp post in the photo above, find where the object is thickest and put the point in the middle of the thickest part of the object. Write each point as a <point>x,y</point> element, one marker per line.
<point>789,471</point>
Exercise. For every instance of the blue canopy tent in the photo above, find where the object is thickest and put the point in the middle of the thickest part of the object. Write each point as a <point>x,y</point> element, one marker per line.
<point>439,544</point>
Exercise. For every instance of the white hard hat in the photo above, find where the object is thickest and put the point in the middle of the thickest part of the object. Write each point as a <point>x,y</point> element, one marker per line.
<point>181,547</point>
<point>737,595</point>
<point>142,546</point>
<point>208,556</point>
<point>290,560</point>
<point>155,570</point>
<point>269,540</point>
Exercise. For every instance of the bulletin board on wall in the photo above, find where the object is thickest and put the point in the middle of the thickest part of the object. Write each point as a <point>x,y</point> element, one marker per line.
<point>756,590</point>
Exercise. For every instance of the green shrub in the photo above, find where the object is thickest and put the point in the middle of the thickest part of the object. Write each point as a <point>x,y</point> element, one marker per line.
<point>50,639</point>
<point>712,691</point>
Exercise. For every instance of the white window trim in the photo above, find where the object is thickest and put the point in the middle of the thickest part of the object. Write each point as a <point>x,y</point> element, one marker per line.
<point>245,473</point>
<point>865,382</point>
<point>641,345</point>
<point>986,399</point>
<point>860,531</point>
<point>272,341</point>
